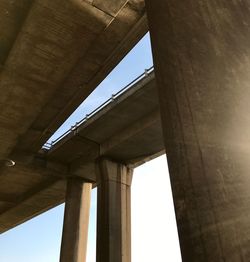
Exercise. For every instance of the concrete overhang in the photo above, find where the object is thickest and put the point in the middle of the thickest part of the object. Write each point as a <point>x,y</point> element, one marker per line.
<point>53,54</point>
<point>127,130</point>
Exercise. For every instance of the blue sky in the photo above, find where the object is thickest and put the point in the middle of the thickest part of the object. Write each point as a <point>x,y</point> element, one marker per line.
<point>133,64</point>
<point>154,233</point>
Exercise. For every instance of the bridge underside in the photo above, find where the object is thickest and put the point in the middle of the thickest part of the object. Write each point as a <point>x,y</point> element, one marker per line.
<point>52,56</point>
<point>125,130</point>
<point>54,53</point>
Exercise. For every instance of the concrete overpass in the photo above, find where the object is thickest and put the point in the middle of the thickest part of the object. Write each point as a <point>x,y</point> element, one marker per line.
<point>54,53</point>
<point>126,130</point>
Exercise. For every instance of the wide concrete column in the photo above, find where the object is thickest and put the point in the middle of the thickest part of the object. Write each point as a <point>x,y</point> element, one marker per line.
<point>76,221</point>
<point>201,52</point>
<point>114,213</point>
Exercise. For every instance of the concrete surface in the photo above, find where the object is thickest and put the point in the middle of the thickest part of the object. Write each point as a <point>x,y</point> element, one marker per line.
<point>130,134</point>
<point>76,221</point>
<point>202,58</point>
<point>52,55</point>
<point>114,212</point>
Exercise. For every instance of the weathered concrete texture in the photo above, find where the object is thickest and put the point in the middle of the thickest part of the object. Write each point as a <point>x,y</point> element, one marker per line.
<point>114,213</point>
<point>76,221</point>
<point>202,59</point>
<point>52,55</point>
<point>12,16</point>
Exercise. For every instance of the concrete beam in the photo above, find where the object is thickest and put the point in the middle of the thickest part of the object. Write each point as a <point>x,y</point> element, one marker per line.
<point>36,200</point>
<point>133,163</point>
<point>76,220</point>
<point>113,213</point>
<point>37,163</point>
<point>130,131</point>
<point>87,171</point>
<point>28,194</point>
<point>45,184</point>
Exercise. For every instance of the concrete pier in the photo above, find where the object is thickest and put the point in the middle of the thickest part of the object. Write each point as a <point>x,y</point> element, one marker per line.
<point>114,213</point>
<point>202,59</point>
<point>76,220</point>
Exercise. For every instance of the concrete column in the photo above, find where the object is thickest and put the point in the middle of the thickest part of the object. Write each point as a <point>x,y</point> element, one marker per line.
<point>113,213</point>
<point>201,52</point>
<point>76,220</point>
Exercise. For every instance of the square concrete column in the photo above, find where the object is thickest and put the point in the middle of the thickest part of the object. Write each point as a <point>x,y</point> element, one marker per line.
<point>201,53</point>
<point>114,213</point>
<point>76,221</point>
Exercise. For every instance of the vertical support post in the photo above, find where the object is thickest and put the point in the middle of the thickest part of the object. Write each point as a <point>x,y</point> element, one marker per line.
<point>201,54</point>
<point>76,220</point>
<point>114,213</point>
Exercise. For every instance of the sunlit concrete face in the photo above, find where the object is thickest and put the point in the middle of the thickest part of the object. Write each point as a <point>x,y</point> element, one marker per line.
<point>202,59</point>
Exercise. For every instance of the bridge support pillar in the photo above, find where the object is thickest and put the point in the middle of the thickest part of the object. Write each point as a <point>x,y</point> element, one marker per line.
<point>113,213</point>
<point>76,220</point>
<point>201,54</point>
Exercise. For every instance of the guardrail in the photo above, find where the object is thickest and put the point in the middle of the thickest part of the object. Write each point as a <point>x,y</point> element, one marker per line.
<point>49,145</point>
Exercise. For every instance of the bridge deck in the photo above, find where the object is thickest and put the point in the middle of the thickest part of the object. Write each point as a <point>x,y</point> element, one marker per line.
<point>125,130</point>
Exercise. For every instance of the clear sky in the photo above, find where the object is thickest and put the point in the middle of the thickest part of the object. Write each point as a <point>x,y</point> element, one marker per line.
<point>154,233</point>
<point>133,64</point>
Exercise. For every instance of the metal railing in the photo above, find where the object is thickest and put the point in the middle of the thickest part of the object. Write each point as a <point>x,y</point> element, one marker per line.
<point>74,128</point>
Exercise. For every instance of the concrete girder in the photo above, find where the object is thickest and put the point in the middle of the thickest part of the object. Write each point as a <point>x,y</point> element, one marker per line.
<point>39,199</point>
